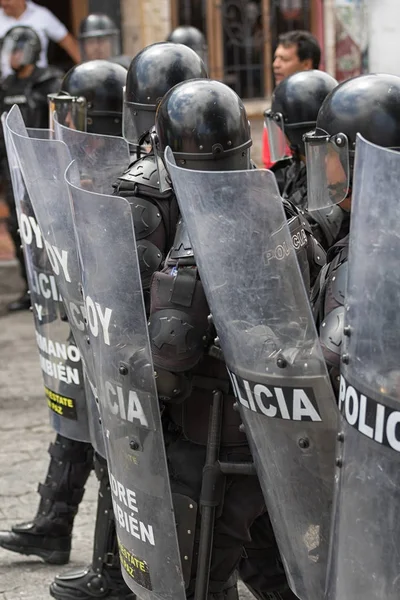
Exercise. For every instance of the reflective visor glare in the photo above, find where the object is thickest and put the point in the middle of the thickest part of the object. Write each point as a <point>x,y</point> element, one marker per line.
<point>129,123</point>
<point>16,53</point>
<point>137,121</point>
<point>327,171</point>
<point>71,112</point>
<point>276,136</point>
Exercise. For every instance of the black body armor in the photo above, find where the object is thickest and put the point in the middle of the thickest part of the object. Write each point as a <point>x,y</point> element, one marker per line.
<point>31,94</point>
<point>155,215</point>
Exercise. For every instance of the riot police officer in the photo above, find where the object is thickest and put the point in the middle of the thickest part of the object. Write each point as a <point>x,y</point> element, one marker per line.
<point>353,161</point>
<point>295,105</point>
<point>192,37</point>
<point>152,72</point>
<point>101,83</point>
<point>366,105</point>
<point>205,125</point>
<point>27,87</point>
<point>48,536</point>
<point>99,38</point>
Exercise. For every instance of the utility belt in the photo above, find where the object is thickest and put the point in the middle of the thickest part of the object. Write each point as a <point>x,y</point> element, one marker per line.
<point>192,415</point>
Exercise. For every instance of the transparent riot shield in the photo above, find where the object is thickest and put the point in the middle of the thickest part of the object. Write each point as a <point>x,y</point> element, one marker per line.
<point>101,158</point>
<point>43,163</point>
<point>128,397</point>
<point>260,308</point>
<point>365,553</point>
<point>58,355</point>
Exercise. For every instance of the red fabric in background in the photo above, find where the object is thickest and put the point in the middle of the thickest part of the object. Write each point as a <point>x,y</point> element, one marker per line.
<point>266,157</point>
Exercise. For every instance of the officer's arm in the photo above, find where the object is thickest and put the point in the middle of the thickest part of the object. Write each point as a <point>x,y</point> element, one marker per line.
<point>328,303</point>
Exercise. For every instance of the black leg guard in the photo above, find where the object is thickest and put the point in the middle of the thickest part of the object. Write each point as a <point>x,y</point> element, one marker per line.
<point>217,590</point>
<point>49,534</point>
<point>103,578</point>
<point>229,502</point>
<point>286,594</point>
<point>261,569</point>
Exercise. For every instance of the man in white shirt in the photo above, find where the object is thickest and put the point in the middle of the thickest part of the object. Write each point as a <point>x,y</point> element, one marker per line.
<point>46,25</point>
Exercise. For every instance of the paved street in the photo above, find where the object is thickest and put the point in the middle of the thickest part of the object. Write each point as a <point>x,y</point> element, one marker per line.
<point>25,436</point>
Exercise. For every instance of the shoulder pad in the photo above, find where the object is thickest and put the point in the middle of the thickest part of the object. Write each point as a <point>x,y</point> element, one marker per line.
<point>316,258</point>
<point>338,282</point>
<point>331,334</point>
<point>318,253</point>
<point>300,242</point>
<point>297,231</point>
<point>330,220</point>
<point>143,173</point>
<point>182,247</point>
<point>146,217</point>
<point>150,259</point>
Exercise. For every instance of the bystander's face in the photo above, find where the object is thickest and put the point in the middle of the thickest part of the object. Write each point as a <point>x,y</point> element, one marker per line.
<point>13,8</point>
<point>95,48</point>
<point>286,62</point>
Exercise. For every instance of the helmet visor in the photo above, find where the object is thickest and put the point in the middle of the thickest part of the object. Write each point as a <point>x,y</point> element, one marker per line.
<point>137,120</point>
<point>17,53</point>
<point>100,46</point>
<point>327,168</point>
<point>71,111</point>
<point>276,135</point>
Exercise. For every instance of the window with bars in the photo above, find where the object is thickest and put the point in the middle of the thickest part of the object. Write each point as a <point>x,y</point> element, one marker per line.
<point>241,36</point>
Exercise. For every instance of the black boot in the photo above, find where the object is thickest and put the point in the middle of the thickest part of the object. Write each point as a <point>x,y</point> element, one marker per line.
<point>49,534</point>
<point>103,578</point>
<point>21,303</point>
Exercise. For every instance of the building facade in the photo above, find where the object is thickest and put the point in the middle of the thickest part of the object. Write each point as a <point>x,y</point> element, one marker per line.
<point>242,34</point>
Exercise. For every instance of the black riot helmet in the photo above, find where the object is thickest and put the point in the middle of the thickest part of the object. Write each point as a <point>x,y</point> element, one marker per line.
<point>21,47</point>
<point>154,71</point>
<point>294,109</point>
<point>191,37</point>
<point>100,83</point>
<point>205,124</point>
<point>99,37</point>
<point>368,105</point>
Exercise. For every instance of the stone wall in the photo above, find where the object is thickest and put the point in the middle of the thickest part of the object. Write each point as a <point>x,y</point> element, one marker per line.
<point>144,22</point>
